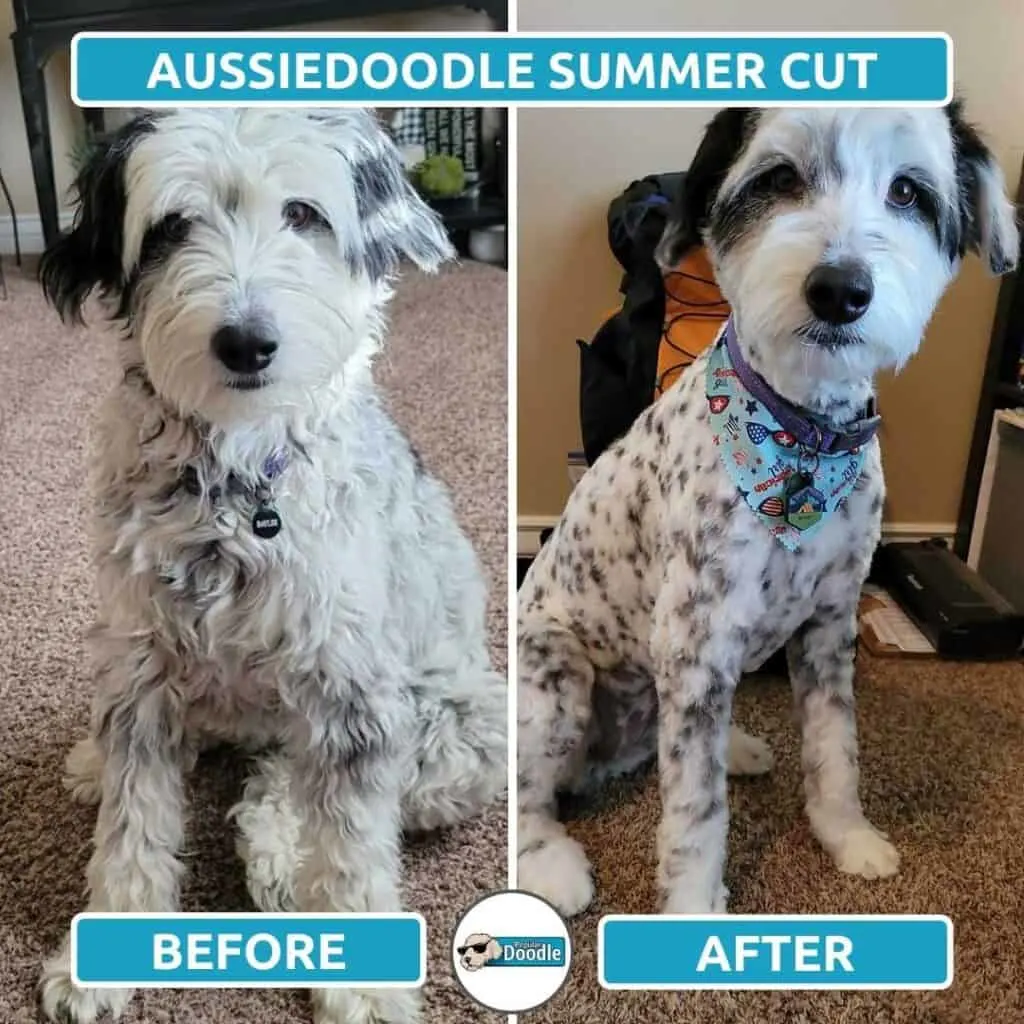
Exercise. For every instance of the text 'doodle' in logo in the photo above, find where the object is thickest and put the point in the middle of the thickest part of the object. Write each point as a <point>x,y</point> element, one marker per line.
<point>482,950</point>
<point>511,929</point>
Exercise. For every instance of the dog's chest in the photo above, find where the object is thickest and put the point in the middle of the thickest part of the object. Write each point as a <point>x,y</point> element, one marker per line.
<point>201,576</point>
<point>658,527</point>
<point>790,587</point>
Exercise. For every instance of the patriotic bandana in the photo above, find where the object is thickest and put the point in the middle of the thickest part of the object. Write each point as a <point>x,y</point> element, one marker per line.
<point>792,487</point>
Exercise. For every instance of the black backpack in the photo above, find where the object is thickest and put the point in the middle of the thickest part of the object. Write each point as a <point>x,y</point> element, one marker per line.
<point>619,364</point>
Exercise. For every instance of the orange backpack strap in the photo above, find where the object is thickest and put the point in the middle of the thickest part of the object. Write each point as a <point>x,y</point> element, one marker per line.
<point>694,311</point>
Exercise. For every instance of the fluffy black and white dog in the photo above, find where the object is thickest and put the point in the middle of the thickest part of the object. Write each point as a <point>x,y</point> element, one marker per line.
<point>275,566</point>
<point>741,511</point>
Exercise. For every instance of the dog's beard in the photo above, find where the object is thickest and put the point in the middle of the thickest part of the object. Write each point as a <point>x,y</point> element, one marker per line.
<point>810,362</point>
<point>325,322</point>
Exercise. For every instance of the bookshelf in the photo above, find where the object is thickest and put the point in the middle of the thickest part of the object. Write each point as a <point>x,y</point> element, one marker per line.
<point>43,27</point>
<point>487,207</point>
<point>1000,389</point>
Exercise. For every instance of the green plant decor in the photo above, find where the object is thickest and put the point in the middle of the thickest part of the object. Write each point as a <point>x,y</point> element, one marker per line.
<point>440,177</point>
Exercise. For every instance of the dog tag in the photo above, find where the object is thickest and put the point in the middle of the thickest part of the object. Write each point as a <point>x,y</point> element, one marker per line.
<point>805,504</point>
<point>266,522</point>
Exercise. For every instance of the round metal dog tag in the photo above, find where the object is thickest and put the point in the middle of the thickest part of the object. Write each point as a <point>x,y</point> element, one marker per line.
<point>266,522</point>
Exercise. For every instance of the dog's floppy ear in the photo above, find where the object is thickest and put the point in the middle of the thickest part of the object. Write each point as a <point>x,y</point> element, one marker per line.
<point>724,139</point>
<point>493,951</point>
<point>89,256</point>
<point>988,220</point>
<point>394,220</point>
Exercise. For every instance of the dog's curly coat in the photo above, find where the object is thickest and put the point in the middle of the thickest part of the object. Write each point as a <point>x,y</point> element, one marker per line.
<point>247,255</point>
<point>659,585</point>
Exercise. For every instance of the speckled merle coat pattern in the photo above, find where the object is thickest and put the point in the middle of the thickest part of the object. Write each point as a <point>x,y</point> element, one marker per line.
<point>247,256</point>
<point>659,587</point>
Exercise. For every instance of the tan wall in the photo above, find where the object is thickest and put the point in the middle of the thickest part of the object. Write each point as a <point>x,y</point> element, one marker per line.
<point>66,122</point>
<point>573,162</point>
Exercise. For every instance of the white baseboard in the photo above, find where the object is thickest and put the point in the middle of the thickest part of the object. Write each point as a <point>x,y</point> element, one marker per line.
<point>30,233</point>
<point>529,529</point>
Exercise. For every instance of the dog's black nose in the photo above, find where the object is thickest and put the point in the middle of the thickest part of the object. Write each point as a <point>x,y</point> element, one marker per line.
<point>839,293</point>
<point>243,349</point>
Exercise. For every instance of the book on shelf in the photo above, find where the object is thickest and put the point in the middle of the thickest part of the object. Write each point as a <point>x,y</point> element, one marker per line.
<point>456,131</point>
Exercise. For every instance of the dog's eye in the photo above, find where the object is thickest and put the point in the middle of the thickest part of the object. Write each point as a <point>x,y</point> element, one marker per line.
<point>175,227</point>
<point>783,180</point>
<point>162,237</point>
<point>301,216</point>
<point>902,193</point>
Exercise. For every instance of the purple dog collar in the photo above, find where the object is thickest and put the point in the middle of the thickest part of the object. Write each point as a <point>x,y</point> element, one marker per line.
<point>810,435</point>
<point>266,520</point>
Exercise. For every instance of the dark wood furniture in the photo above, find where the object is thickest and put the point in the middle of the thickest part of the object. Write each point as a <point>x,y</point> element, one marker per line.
<point>1001,388</point>
<point>42,27</point>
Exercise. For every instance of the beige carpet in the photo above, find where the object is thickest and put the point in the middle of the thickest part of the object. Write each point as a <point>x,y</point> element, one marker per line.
<point>943,772</point>
<point>445,372</point>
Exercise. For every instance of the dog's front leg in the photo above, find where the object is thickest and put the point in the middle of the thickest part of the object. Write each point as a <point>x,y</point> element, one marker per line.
<point>347,791</point>
<point>140,824</point>
<point>696,673</point>
<point>821,670</point>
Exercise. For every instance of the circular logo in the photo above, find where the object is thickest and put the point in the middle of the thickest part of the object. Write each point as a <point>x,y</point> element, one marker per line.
<point>511,951</point>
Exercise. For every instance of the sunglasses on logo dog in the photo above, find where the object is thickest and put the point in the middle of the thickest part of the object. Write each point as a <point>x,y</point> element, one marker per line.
<point>477,947</point>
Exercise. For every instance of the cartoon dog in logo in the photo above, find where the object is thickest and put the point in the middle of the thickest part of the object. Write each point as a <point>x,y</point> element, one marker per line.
<point>478,950</point>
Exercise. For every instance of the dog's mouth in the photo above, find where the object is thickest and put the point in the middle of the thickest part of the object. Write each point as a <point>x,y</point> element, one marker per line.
<point>828,336</point>
<point>247,382</point>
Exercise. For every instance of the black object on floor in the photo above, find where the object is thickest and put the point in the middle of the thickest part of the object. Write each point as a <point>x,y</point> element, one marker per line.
<point>962,616</point>
<point>522,567</point>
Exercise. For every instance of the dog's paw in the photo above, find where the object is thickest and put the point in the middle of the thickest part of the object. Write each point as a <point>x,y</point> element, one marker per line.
<point>270,888</point>
<point>557,869</point>
<point>63,1002</point>
<point>748,755</point>
<point>83,777</point>
<point>269,872</point>
<point>866,852</point>
<point>681,899</point>
<point>268,842</point>
<point>366,1006</point>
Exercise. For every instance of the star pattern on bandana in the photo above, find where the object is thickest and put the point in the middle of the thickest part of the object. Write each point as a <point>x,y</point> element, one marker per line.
<point>760,456</point>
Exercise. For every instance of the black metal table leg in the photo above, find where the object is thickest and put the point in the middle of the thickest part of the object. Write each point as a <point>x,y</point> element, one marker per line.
<point>14,220</point>
<point>497,10</point>
<point>37,128</point>
<point>93,119</point>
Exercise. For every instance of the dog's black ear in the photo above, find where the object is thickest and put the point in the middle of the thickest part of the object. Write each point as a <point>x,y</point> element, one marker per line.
<point>988,220</point>
<point>89,256</point>
<point>393,219</point>
<point>396,220</point>
<point>724,139</point>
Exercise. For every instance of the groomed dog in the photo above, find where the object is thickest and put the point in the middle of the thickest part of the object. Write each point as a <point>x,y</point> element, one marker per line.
<point>275,566</point>
<point>741,511</point>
